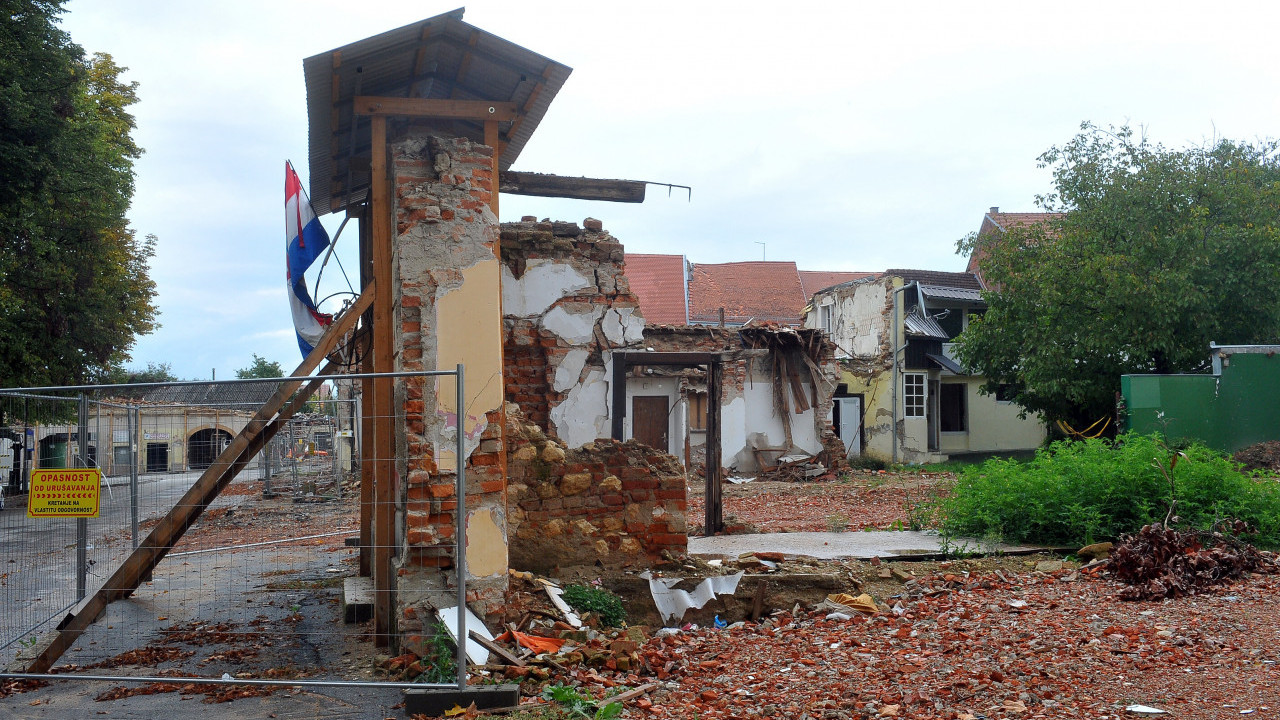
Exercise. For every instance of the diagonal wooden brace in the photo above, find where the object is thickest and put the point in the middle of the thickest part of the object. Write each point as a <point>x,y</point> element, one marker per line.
<point>255,434</point>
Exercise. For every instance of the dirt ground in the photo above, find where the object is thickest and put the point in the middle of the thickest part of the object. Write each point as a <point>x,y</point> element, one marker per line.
<point>867,500</point>
<point>995,637</point>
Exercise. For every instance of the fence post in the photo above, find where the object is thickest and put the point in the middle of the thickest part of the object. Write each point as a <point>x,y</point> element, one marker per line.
<point>460,532</point>
<point>134,423</point>
<point>82,524</point>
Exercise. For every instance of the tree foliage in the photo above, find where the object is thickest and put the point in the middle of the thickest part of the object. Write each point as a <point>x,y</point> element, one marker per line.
<point>261,368</point>
<point>74,286</point>
<point>1158,253</point>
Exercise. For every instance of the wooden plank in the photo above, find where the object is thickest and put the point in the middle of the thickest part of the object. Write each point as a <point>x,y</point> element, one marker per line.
<point>495,648</point>
<point>668,358</point>
<point>619,405</point>
<point>260,428</point>
<point>423,107</point>
<point>757,601</point>
<point>383,413</point>
<point>563,186</point>
<point>366,406</point>
<point>631,694</point>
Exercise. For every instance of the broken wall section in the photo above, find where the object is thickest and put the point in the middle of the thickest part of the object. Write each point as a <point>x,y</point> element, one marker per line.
<point>758,404</point>
<point>566,307</point>
<point>606,503</point>
<point>446,294</point>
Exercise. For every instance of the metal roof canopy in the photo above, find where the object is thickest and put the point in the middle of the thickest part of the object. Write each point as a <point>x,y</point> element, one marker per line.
<point>440,58</point>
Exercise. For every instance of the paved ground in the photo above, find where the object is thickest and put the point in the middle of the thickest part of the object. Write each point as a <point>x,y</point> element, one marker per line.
<point>833,545</point>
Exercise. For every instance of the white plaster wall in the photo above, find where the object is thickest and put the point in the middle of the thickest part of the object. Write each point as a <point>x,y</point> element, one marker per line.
<point>760,416</point>
<point>995,426</point>
<point>584,414</point>
<point>665,386</point>
<point>733,430</point>
<point>577,328</point>
<point>543,283</point>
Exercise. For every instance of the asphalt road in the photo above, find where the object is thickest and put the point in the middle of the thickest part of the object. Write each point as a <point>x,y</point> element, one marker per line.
<point>38,555</point>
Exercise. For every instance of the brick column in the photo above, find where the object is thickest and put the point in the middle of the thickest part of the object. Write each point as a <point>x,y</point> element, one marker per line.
<point>448,304</point>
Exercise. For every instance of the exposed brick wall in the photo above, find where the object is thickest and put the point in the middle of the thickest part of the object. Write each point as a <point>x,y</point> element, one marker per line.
<point>567,305</point>
<point>609,503</point>
<point>447,311</point>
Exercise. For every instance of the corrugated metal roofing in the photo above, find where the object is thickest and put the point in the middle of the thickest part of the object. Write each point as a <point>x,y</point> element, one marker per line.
<point>918,324</point>
<point>441,58</point>
<point>946,363</point>
<point>940,292</point>
<point>238,396</point>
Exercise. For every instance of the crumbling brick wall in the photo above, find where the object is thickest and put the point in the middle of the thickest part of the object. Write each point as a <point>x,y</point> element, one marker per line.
<point>609,503</point>
<point>741,373</point>
<point>446,271</point>
<point>566,306</point>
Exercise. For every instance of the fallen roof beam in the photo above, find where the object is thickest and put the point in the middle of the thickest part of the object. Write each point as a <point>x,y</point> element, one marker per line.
<point>578,188</point>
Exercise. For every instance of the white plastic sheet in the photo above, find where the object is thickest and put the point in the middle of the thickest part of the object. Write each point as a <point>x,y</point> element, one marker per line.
<point>673,604</point>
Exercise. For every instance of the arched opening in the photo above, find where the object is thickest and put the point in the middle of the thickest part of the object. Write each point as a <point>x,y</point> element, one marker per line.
<point>204,446</point>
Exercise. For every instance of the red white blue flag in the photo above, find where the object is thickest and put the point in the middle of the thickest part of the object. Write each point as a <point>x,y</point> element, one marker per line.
<point>305,239</point>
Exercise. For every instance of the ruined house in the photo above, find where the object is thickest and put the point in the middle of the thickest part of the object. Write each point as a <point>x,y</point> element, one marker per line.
<point>917,404</point>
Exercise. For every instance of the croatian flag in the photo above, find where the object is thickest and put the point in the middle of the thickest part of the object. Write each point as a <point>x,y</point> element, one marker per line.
<point>306,239</point>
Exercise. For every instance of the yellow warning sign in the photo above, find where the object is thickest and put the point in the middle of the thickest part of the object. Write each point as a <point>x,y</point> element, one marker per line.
<point>64,493</point>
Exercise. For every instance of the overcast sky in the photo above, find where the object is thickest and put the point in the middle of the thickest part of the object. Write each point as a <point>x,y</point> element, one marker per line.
<point>842,135</point>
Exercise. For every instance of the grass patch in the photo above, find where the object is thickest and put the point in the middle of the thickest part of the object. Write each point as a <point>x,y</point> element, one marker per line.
<point>1081,492</point>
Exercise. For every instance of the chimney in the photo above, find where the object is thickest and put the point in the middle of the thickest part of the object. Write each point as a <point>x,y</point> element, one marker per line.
<point>995,210</point>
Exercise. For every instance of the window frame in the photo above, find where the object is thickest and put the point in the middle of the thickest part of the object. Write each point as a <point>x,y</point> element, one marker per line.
<point>915,394</point>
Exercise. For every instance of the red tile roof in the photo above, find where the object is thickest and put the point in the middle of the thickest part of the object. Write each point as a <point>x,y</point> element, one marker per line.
<point>765,290</point>
<point>996,221</point>
<point>658,280</point>
<point>811,281</point>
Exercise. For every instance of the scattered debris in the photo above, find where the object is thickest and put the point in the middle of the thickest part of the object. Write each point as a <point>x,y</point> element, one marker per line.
<point>1159,562</point>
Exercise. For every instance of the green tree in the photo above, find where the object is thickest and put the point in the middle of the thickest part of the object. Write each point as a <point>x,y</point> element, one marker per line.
<point>154,372</point>
<point>1158,253</point>
<point>261,368</point>
<point>74,286</point>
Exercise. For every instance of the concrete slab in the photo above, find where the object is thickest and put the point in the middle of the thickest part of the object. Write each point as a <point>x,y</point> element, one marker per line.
<point>357,599</point>
<point>434,703</point>
<point>852,545</point>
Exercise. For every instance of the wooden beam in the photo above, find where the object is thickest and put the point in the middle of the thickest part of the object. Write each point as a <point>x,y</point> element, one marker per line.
<point>580,188</point>
<point>423,107</point>
<point>383,412</point>
<point>260,428</point>
<point>713,520</point>
<point>491,139</point>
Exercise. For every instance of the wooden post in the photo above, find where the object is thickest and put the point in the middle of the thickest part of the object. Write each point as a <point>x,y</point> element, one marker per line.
<point>383,412</point>
<point>713,516</point>
<point>491,139</point>
<point>366,411</point>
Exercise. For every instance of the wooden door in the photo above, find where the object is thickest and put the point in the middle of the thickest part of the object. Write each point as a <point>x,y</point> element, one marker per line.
<point>649,421</point>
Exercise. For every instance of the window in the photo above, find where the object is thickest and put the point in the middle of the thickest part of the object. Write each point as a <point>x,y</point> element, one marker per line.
<point>697,411</point>
<point>913,394</point>
<point>824,318</point>
<point>952,407</point>
<point>951,321</point>
<point>1005,393</point>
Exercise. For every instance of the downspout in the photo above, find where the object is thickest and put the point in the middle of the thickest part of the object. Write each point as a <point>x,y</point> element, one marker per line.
<point>684,275</point>
<point>897,349</point>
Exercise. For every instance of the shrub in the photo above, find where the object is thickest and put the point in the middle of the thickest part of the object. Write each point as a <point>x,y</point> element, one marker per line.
<point>1080,492</point>
<point>603,603</point>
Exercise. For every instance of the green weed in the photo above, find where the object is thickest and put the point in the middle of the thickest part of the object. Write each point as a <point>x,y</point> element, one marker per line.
<point>603,603</point>
<point>1081,492</point>
<point>579,706</point>
<point>440,663</point>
